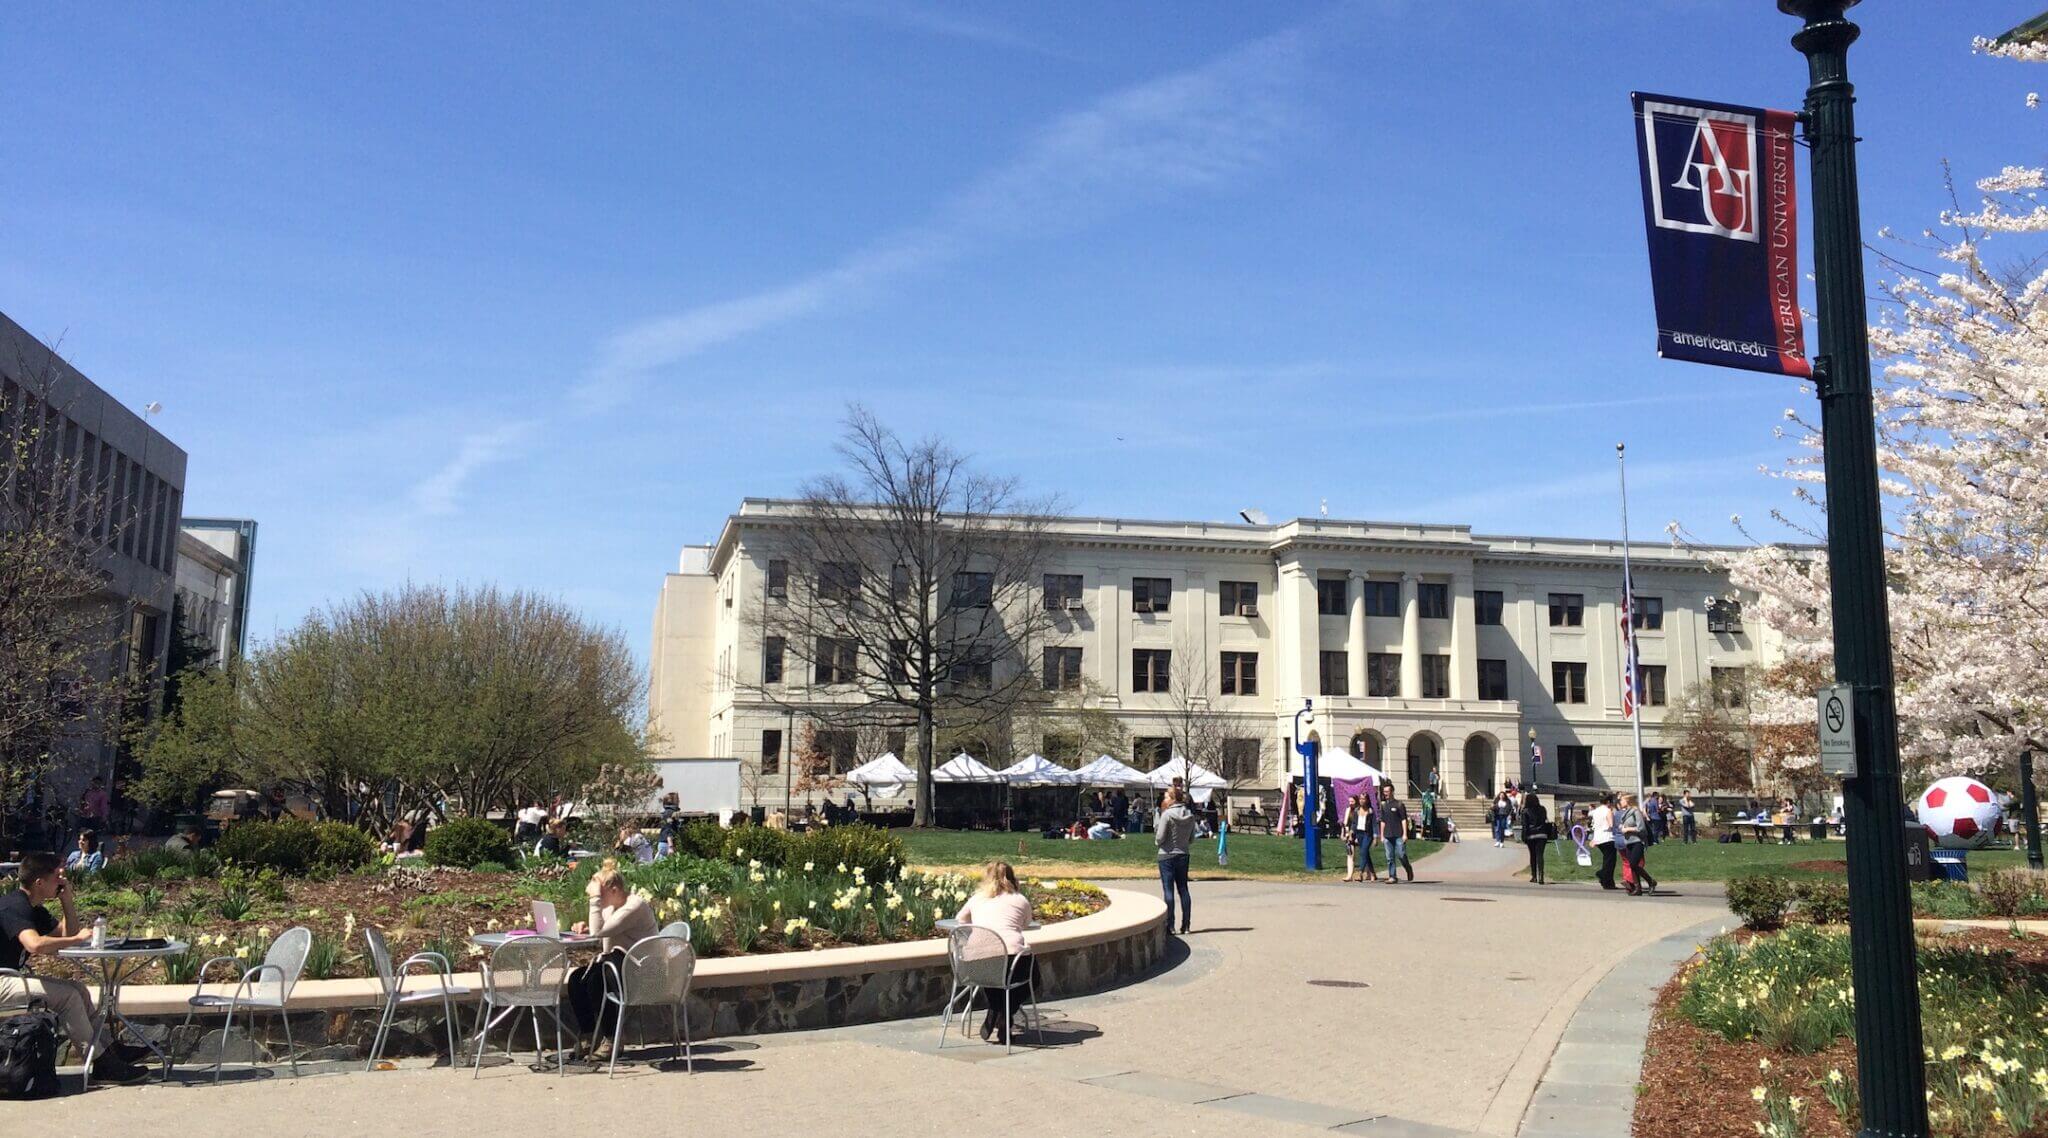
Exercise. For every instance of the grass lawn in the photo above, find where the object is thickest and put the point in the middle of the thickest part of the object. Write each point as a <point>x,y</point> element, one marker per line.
<point>1711,861</point>
<point>1251,855</point>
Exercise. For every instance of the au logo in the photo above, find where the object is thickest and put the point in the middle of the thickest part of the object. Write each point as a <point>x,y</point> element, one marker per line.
<point>1703,165</point>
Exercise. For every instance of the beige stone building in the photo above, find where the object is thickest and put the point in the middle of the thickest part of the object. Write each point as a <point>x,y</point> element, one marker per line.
<point>1421,646</point>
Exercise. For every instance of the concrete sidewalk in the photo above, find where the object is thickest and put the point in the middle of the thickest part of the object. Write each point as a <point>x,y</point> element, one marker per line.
<point>1416,1010</point>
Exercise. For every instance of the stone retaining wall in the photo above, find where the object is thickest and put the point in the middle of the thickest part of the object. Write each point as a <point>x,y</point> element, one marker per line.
<point>731,996</point>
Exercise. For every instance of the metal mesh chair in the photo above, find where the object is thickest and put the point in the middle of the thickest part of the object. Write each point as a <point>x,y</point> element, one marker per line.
<point>981,961</point>
<point>394,980</point>
<point>525,973</point>
<point>676,929</point>
<point>266,987</point>
<point>654,971</point>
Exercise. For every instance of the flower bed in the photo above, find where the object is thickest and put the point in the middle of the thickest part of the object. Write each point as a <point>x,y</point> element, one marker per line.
<point>1767,900</point>
<point>1757,1035</point>
<point>733,907</point>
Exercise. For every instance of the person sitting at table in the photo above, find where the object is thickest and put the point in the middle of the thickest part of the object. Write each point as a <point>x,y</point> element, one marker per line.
<point>188,838</point>
<point>1102,831</point>
<point>1002,908</point>
<point>554,843</point>
<point>87,858</point>
<point>620,918</point>
<point>27,929</point>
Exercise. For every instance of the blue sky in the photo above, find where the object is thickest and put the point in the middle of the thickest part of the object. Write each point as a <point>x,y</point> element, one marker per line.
<point>536,293</point>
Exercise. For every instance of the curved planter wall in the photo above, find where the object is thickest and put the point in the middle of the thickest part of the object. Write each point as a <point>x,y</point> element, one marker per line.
<point>741,995</point>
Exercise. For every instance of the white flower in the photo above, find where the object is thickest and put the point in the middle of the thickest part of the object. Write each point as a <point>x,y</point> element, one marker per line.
<point>809,866</point>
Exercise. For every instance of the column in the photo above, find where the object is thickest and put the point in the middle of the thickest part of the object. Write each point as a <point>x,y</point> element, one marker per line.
<point>1464,639</point>
<point>1354,646</point>
<point>1411,638</point>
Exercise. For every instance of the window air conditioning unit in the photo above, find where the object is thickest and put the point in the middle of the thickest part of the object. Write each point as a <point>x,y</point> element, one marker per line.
<point>1071,604</point>
<point>1247,610</point>
<point>1141,606</point>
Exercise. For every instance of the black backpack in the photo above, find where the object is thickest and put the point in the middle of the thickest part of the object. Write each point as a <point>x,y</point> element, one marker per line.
<point>28,1055</point>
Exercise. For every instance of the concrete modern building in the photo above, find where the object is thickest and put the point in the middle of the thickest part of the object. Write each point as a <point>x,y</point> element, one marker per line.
<point>111,456</point>
<point>1422,646</point>
<point>215,559</point>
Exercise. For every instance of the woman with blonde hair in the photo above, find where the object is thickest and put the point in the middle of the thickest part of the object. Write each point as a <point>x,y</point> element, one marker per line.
<point>620,917</point>
<point>1001,907</point>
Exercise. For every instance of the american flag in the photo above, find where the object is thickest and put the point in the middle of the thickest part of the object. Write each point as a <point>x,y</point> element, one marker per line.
<point>1632,664</point>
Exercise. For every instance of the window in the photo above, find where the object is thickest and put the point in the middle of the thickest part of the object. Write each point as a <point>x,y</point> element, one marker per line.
<point>899,583</point>
<point>899,662</point>
<point>1648,613</point>
<point>1151,669</point>
<point>1436,677</point>
<point>973,674</point>
<point>1575,764</point>
<point>771,660</point>
<point>1242,759</point>
<point>1567,610</point>
<point>1062,749</point>
<point>839,581</point>
<point>1240,673</point>
<point>833,663</point>
<point>1724,614</point>
<point>1150,752</point>
<point>1493,679</point>
<point>896,741</point>
<point>1731,687</point>
<point>771,751</point>
<point>838,749</point>
<point>1568,683</point>
<point>1383,673</point>
<point>1656,766</point>
<point>1486,606</point>
<point>973,590</point>
<point>1434,597</point>
<point>1062,669</point>
<point>778,578</point>
<point>1335,673</point>
<point>1062,591</point>
<point>1382,598</point>
<point>1330,594</point>
<point>1653,684</point>
<point>1237,598</point>
<point>1151,594</point>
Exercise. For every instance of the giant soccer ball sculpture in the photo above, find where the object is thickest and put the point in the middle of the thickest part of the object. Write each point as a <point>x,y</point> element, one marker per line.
<point>1959,813</point>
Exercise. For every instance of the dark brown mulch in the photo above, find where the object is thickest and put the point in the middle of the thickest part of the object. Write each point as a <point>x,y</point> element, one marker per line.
<point>1823,865</point>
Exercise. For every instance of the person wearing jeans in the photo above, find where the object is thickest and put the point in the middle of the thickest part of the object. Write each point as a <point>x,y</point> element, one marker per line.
<point>1173,831</point>
<point>1688,817</point>
<point>1602,826</point>
<point>1394,827</point>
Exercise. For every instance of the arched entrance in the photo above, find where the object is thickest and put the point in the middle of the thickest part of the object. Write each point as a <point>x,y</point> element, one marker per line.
<point>1424,755</point>
<point>1370,748</point>
<point>1482,774</point>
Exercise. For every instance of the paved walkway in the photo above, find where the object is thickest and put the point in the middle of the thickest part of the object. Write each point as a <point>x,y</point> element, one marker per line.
<point>1412,1011</point>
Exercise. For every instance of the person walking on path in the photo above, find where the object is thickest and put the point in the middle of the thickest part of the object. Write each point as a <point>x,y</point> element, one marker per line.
<point>1688,819</point>
<point>1173,831</point>
<point>1394,824</point>
<point>1602,826</point>
<point>1535,834</point>
<point>1502,811</point>
<point>1631,826</point>
<point>1352,825</point>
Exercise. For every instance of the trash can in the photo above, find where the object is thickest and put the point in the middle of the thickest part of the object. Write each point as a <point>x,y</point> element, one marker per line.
<point>1950,866</point>
<point>1818,831</point>
<point>1919,863</point>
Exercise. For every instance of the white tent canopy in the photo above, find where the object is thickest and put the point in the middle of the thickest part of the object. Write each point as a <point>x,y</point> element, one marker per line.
<point>1197,776</point>
<point>1106,771</point>
<point>884,774</point>
<point>964,767</point>
<point>1344,766</point>
<point>1037,770</point>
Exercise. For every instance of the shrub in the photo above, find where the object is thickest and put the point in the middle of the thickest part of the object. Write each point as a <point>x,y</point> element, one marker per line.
<point>1946,900</point>
<point>284,846</point>
<point>1824,902</point>
<point>341,847</point>
<point>1760,899</point>
<point>743,844</point>
<point>701,839</point>
<point>2010,892</point>
<point>468,842</point>
<point>875,851</point>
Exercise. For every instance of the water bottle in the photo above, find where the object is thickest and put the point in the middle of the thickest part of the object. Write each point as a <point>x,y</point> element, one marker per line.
<point>99,932</point>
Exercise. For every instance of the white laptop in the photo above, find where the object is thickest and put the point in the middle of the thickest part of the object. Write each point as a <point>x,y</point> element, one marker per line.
<point>544,921</point>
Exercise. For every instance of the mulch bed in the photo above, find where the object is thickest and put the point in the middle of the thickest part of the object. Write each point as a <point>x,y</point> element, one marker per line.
<point>1825,865</point>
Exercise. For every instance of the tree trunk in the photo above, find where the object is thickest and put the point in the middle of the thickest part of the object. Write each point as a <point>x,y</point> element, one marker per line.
<point>926,732</point>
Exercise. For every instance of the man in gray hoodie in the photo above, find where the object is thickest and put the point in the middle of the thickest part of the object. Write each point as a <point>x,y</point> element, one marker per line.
<point>1173,831</point>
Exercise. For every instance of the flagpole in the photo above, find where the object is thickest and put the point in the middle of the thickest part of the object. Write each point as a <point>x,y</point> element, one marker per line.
<point>1628,632</point>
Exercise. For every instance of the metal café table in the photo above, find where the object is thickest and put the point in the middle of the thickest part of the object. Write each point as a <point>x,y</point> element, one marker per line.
<point>117,961</point>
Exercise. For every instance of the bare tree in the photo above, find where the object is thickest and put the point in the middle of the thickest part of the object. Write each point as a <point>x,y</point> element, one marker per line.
<point>914,594</point>
<point>1709,723</point>
<point>65,673</point>
<point>1069,725</point>
<point>1202,732</point>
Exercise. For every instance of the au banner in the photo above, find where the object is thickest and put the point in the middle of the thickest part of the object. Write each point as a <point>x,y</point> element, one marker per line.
<point>1722,210</point>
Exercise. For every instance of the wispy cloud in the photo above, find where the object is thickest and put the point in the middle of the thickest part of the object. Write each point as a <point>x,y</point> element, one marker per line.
<point>438,494</point>
<point>1601,483</point>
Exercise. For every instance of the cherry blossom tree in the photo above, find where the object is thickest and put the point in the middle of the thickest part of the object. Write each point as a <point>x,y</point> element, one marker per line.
<point>1962,408</point>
